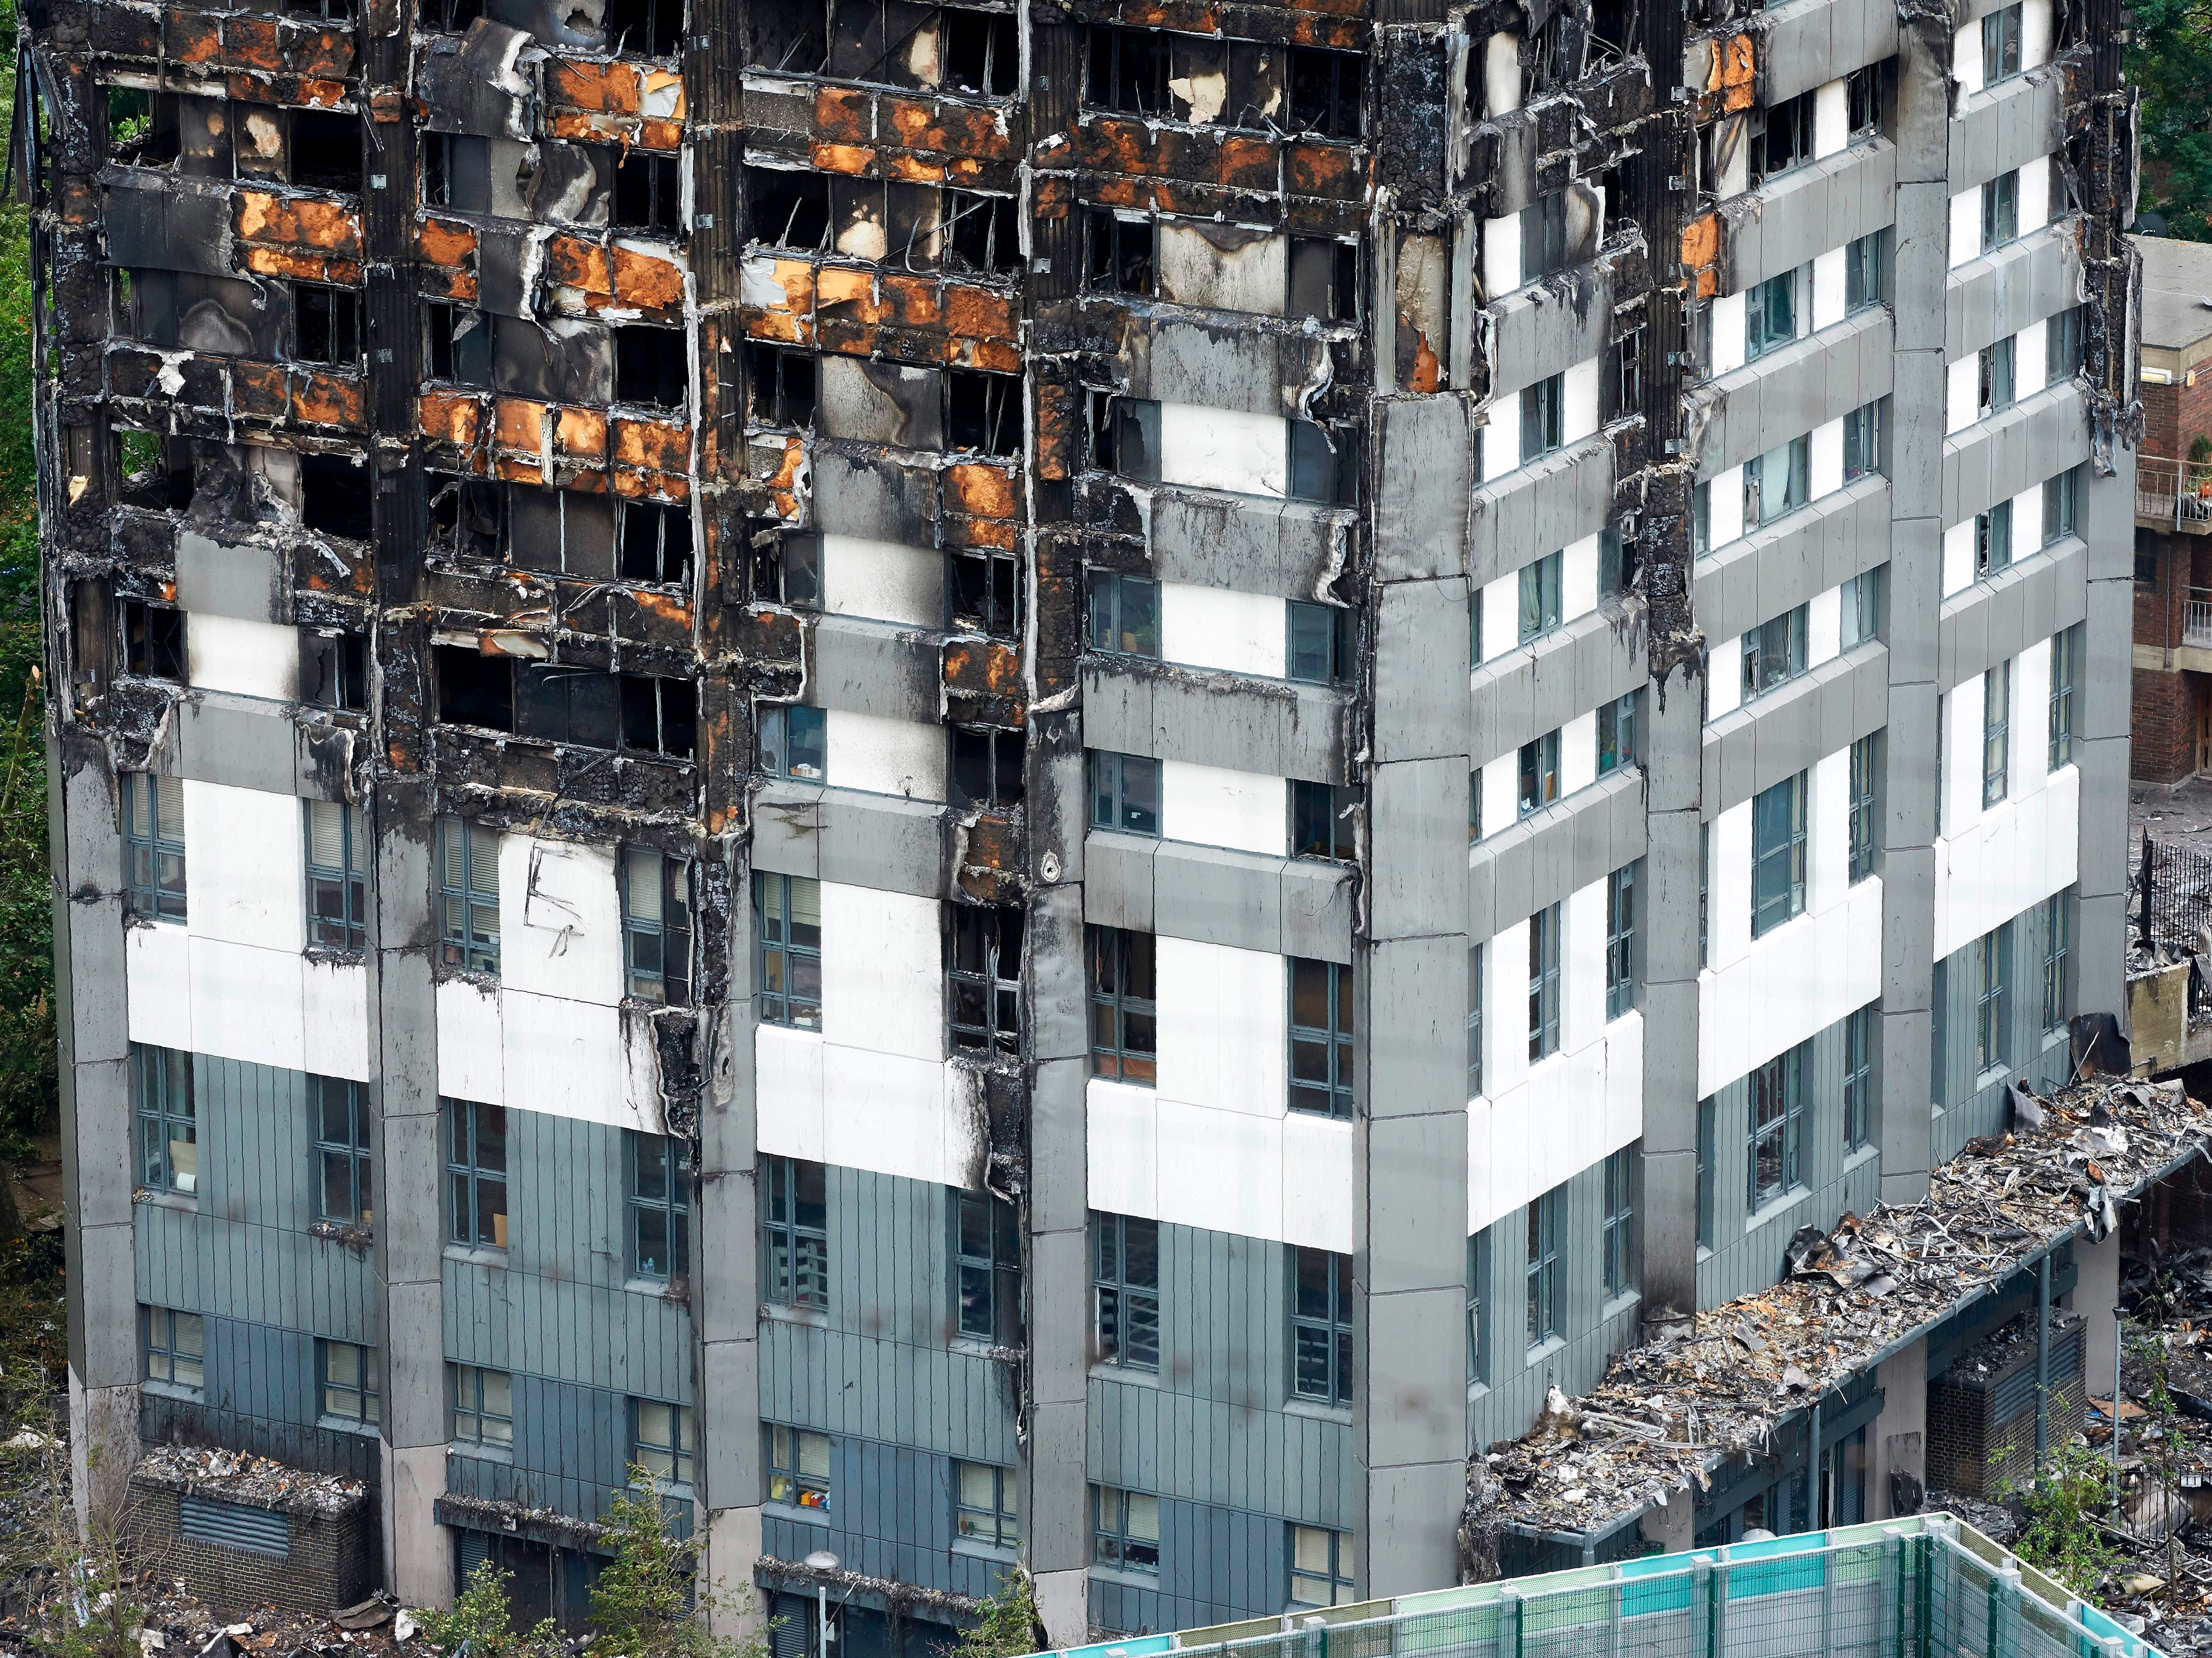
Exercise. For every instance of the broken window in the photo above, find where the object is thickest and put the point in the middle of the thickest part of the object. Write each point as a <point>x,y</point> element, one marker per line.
<point>1995,377</point>
<point>1129,72</point>
<point>561,532</point>
<point>1774,652</point>
<point>983,979</point>
<point>1862,439</point>
<point>984,594</point>
<point>457,344</point>
<point>154,846</point>
<point>1322,1049</point>
<point>1777,855</point>
<point>795,1261</point>
<point>326,150</point>
<point>154,641</point>
<point>1781,138</point>
<point>788,956</point>
<point>988,1307</point>
<point>790,209</point>
<point>1777,482</point>
<point>651,366</point>
<point>656,897</point>
<point>1539,767</point>
<point>1543,416</point>
<point>1993,540</point>
<point>1124,1008</point>
<point>1125,793</point>
<point>979,53</point>
<point>1124,613</point>
<point>1125,436</point>
<point>656,542</point>
<point>1770,315</point>
<point>1862,103</point>
<point>153,471</point>
<point>337,876</point>
<point>476,1172</point>
<point>647,28</point>
<point>659,717</point>
<point>1125,1300</point>
<point>659,1202</point>
<point>1120,253</point>
<point>325,325</point>
<point>786,569</point>
<point>1328,93</point>
<point>987,767</point>
<point>1777,1119</point>
<point>474,688</point>
<point>593,708</point>
<point>468,895</point>
<point>983,411</point>
<point>2000,211</point>
<point>1617,560</point>
<point>794,742</point>
<point>1324,279</point>
<point>1615,30</point>
<point>1319,647</point>
<point>984,233</point>
<point>1866,270</point>
<point>783,381</point>
<point>1996,734</point>
<point>648,193</point>
<point>1323,462</point>
<point>1322,820</point>
<point>334,495</point>
<point>176,1349</point>
<point>1321,1326</point>
<point>2061,346</point>
<point>469,514</point>
<point>1544,247</point>
<point>1543,983</point>
<point>1616,732</point>
<point>448,16</point>
<point>345,1184</point>
<point>131,127</point>
<point>333,668</point>
<point>2001,44</point>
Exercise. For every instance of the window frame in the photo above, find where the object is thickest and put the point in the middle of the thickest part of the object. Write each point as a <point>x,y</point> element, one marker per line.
<point>1620,942</point>
<point>1770,315</point>
<point>2058,951</point>
<point>1866,271</point>
<point>1993,1001</point>
<point>986,1005</point>
<point>787,973</point>
<point>1328,1093</point>
<point>473,1421</point>
<point>338,893</point>
<point>1116,1054</point>
<point>1996,734</point>
<point>1865,818</point>
<point>1996,382</point>
<point>1859,1046</point>
<point>1479,1309</point>
<point>1543,418</point>
<point>1321,1346</point>
<point>2000,211</point>
<point>2002,53</point>
<point>1115,804</point>
<point>1108,629</point>
<point>666,937</point>
<point>364,1393</point>
<point>1786,854</point>
<point>1541,583</point>
<point>1993,540</point>
<point>156,883</point>
<point>791,741</point>
<point>1338,842</point>
<point>1124,1306</point>
<point>997,1527</point>
<point>350,1157</point>
<point>987,1281</point>
<point>1339,1574</point>
<point>1795,459</point>
<point>1117,1544</point>
<point>470,1180</point>
<point>2065,662</point>
<point>1540,780</point>
<point>672,1459</point>
<point>1707,1166</point>
<point>1543,995</point>
<point>465,945</point>
<point>1477,968</point>
<point>1543,1281</point>
<point>167,1360</point>
<point>1617,1223</point>
<point>795,1262</point>
<point>162,1124</point>
<point>1776,1108</point>
<point>657,1191</point>
<point>784,1459</point>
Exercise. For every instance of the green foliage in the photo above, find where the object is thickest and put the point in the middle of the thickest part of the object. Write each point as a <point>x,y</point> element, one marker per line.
<point>1009,1626</point>
<point>652,1600</point>
<point>2069,1495</point>
<point>2166,58</point>
<point>480,1620</point>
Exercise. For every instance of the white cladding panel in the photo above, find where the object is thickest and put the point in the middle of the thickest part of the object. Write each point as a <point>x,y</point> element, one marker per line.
<point>1210,806</point>
<point>883,580</point>
<point>1220,628</point>
<point>560,916</point>
<point>1224,449</point>
<point>252,659</point>
<point>881,756</point>
<point>883,973</point>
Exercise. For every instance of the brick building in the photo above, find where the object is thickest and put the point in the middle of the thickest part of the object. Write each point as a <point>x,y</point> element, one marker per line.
<point>2172,724</point>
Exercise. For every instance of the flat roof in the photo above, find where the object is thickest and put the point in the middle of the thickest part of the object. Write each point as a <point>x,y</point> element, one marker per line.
<point>2177,291</point>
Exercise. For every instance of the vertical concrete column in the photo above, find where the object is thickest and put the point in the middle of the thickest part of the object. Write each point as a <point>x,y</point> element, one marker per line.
<point>410,1231</point>
<point>2101,743</point>
<point>1898,1438</point>
<point>1920,246</point>
<point>1674,770</point>
<point>98,1167</point>
<point>2096,1294</point>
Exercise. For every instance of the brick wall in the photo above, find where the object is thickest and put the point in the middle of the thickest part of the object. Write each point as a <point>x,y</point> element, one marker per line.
<point>1969,1451</point>
<point>2176,416</point>
<point>2162,743</point>
<point>334,1561</point>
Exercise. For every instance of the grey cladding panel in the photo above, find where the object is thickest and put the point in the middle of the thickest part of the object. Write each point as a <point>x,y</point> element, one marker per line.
<point>1994,460</point>
<point>1814,42</point>
<point>1421,504</point>
<point>1539,329</point>
<point>1812,210</point>
<point>1776,569</point>
<point>873,667</point>
<point>1271,727</point>
<point>1792,390</point>
<point>1997,130</point>
<point>2002,293</point>
<point>1278,549</point>
<point>1551,502</point>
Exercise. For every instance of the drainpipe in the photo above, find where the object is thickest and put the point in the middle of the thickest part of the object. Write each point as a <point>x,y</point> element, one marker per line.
<point>2043,1360</point>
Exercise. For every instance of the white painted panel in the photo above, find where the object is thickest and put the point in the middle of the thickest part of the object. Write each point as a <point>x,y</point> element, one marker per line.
<point>1317,1182</point>
<point>472,1050</point>
<point>1578,401</point>
<point>1221,1169</point>
<point>334,1018</point>
<point>1727,497</point>
<point>883,580</point>
<point>1831,119</point>
<point>1501,790</point>
<point>1501,75</point>
<point>1122,1132</point>
<point>1578,753</point>
<point>1508,968</point>
<point>882,756</point>
<point>1501,255</point>
<point>1579,578</point>
<point>640,1066</point>
<point>1501,617</point>
<point>253,658</point>
<point>1728,906</point>
<point>1724,676</point>
<point>1582,968</point>
<point>1962,756</point>
<point>246,1003</point>
<point>2034,193</point>
<point>1728,333</point>
<point>1828,830</point>
<point>248,876</point>
<point>1197,270</point>
<point>1827,459</point>
<point>1796,980</point>
<point>1966,214</point>
<point>560,916</point>
<point>883,1112</point>
<point>157,965</point>
<point>1830,288</point>
<point>1501,439</point>
<point>1966,58</point>
<point>2030,762</point>
<point>787,1083</point>
<point>1962,389</point>
<point>2015,855</point>
<point>2031,358</point>
<point>2034,33</point>
<point>565,1057</point>
<point>1959,558</point>
<point>2026,521</point>
<point>1570,1114</point>
<point>883,972</point>
<point>1824,626</point>
<point>1210,806</point>
<point>1219,627</point>
<point>1224,449</point>
<point>1224,1025</point>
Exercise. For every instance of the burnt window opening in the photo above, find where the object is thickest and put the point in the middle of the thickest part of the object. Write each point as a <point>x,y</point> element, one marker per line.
<point>448,16</point>
<point>1120,254</point>
<point>650,367</point>
<point>786,567</point>
<point>1324,279</point>
<point>790,209</point>
<point>1781,138</point>
<point>152,471</point>
<point>969,53</point>
<point>782,382</point>
<point>457,344</point>
<point>333,10</point>
<point>1614,29</point>
<point>789,39</point>
<point>591,708</point>
<point>153,641</point>
<point>470,514</point>
<point>1863,100</point>
<point>474,688</point>
<point>1551,63</point>
<point>1328,92</point>
<point>984,233</point>
<point>986,767</point>
<point>1544,248</point>
<point>648,193</point>
<point>648,28</point>
<point>561,532</point>
<point>983,411</point>
<point>983,979</point>
<point>983,593</point>
<point>980,52</point>
<point>333,668</point>
<point>1125,436</point>
<point>437,170</point>
<point>326,150</point>
<point>1324,463</point>
<point>659,717</point>
<point>325,325</point>
<point>1628,373</point>
<point>334,495</point>
<point>131,127</point>
<point>656,543</point>
<point>1129,72</point>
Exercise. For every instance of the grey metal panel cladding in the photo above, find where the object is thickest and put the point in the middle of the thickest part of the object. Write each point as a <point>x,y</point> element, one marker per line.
<point>1814,42</point>
<point>1216,1565</point>
<point>1540,687</point>
<point>2003,292</point>
<point>1756,746</point>
<point>886,842</point>
<point>1784,565</point>
<point>891,1516</point>
<point>1550,503</point>
<point>1996,129</point>
<point>1515,873</point>
<point>1998,458</point>
<point>571,1451</point>
<point>1538,328</point>
<point>1278,549</point>
<point>259,1396</point>
<point>874,667</point>
<point>243,742</point>
<point>2048,595</point>
<point>1276,728</point>
<point>1812,210</point>
<point>1796,388</point>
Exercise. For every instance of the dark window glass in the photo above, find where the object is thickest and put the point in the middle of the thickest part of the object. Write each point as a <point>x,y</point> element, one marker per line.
<point>168,1130</point>
<point>1125,1278</point>
<point>338,879</point>
<point>344,1183</point>
<point>1321,1326</point>
<point>1544,1285</point>
<point>1125,793</point>
<point>795,1233</point>
<point>154,846</point>
<point>154,641</point>
<point>475,1174</point>
<point>983,979</point>
<point>1777,854</point>
<point>468,895</point>
<point>789,959</point>
<point>987,767</point>
<point>793,742</point>
<point>987,1247</point>
<point>1777,1112</point>
<point>1122,613</point>
<point>1324,821</point>
<point>659,1202</point>
<point>649,192</point>
<point>1119,253</point>
<point>1617,1221</point>
<point>1129,72</point>
<point>1124,1014</point>
<point>1322,1043</point>
<point>1543,983</point>
<point>325,325</point>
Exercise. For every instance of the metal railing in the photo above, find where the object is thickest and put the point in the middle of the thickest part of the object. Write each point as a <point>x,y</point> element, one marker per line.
<point>2197,617</point>
<point>2175,493</point>
<point>2173,895</point>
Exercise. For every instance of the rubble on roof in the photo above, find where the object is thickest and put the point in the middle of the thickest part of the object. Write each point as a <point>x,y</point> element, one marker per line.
<point>1668,1413</point>
<point>241,1477</point>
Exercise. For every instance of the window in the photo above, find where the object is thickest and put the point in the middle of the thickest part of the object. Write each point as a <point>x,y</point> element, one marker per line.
<point>1321,1040</point>
<point>1862,619</point>
<point>1620,942</point>
<point>1939,1035</point>
<point>1775,652</point>
<point>168,1128</point>
<point>986,767</point>
<point>652,369</point>
<point>1616,733</point>
<point>1993,999</point>
<point>783,386</point>
<point>1866,270</point>
<point>325,325</point>
<point>468,895</point>
<point>1777,854</point>
<point>1617,556</point>
<point>176,1347</point>
<point>790,950</point>
<point>1862,441</point>
<point>484,1407</point>
<point>2146,566</point>
<point>2061,505</point>
<point>798,1468</point>
<point>1125,1530</point>
<point>983,592</point>
<point>154,845</point>
<point>1477,1309</point>
<point>474,688</point>
<point>2000,211</point>
<point>794,742</point>
<point>1125,793</point>
<point>1543,416</point>
<point>795,1233</point>
<point>1996,733</point>
<point>641,714</point>
<point>1124,1014</point>
<point>1858,1078</point>
<point>333,668</point>
<point>338,894</point>
<point>1863,102</point>
<point>1770,315</point>
<point>1993,540</point>
<point>458,338</point>
<point>659,1206</point>
<point>1120,254</point>
<point>987,1251</point>
<point>1543,1284</point>
<point>661,1439</point>
<point>1865,822</point>
<point>1323,820</point>
<point>1321,1326</point>
<point>1701,519</point>
<point>1777,482</point>
<point>648,195</point>
<point>2058,945</point>
<point>983,411</point>
<point>475,1174</point>
<point>2063,340</point>
<point>1544,236</point>
<point>1125,436</point>
<point>1617,1225</point>
<point>983,979</point>
<point>656,895</point>
<point>349,1382</point>
<point>1124,1284</point>
<point>2065,664</point>
<point>2001,44</point>
<point>1320,651</point>
<point>1995,377</point>
<point>1129,72</point>
<point>1123,613</point>
<point>1706,1112</point>
<point>654,542</point>
<point>1540,773</point>
<point>987,1505</point>
<point>1781,138</point>
<point>1476,962</point>
<point>1323,1563</point>
<point>1323,462</point>
<point>1543,983</point>
<point>1539,595</point>
<point>1325,279</point>
<point>1777,1116</point>
<point>1327,93</point>
<point>345,1187</point>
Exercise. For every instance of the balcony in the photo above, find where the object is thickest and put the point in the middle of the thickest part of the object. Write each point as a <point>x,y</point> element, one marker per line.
<point>2176,494</point>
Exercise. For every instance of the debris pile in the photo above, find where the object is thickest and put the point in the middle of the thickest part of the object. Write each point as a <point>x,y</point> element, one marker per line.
<point>241,1477</point>
<point>1670,1412</point>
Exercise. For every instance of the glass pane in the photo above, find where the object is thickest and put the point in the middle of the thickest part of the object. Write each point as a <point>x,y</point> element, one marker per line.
<point>1141,1248</point>
<point>1144,1521</point>
<point>186,1337</point>
<point>978,1486</point>
<point>814,1455</point>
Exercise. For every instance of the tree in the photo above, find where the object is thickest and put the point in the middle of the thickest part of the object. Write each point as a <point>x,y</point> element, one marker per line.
<point>480,1620</point>
<point>653,1600</point>
<point>2173,39</point>
<point>2063,1504</point>
<point>1009,1626</point>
